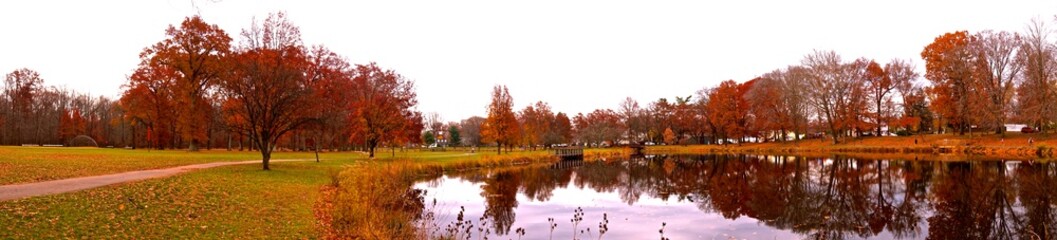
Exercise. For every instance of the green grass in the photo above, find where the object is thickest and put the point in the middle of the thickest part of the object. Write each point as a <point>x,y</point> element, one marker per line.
<point>226,202</point>
<point>35,164</point>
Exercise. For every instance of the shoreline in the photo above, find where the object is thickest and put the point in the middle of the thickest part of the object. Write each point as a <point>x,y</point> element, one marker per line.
<point>928,147</point>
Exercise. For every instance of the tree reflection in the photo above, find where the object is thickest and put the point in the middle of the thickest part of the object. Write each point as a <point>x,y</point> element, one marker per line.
<point>823,198</point>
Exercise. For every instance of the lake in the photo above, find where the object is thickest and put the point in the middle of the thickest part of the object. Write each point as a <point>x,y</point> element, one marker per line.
<point>751,197</point>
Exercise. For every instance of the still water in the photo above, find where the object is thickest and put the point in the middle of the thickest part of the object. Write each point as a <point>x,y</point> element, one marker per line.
<point>755,197</point>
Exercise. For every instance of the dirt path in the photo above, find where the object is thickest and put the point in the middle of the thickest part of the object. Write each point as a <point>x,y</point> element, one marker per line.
<point>25,190</point>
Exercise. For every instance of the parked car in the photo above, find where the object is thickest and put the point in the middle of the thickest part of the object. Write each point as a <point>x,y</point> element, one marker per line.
<point>1027,130</point>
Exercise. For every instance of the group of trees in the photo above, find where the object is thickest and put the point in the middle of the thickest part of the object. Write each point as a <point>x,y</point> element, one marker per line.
<point>976,81</point>
<point>33,113</point>
<point>266,91</point>
<point>535,125</point>
<point>985,79</point>
<point>269,90</point>
<point>198,88</point>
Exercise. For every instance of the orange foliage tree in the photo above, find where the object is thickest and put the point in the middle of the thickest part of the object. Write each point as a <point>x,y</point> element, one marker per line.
<point>148,100</point>
<point>948,64</point>
<point>382,108</point>
<point>195,53</point>
<point>537,125</point>
<point>501,125</point>
<point>598,127</point>
<point>729,111</point>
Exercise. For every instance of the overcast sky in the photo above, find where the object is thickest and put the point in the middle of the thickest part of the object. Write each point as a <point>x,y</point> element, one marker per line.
<point>575,55</point>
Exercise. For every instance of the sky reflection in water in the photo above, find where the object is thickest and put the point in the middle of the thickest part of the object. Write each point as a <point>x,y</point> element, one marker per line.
<point>750,197</point>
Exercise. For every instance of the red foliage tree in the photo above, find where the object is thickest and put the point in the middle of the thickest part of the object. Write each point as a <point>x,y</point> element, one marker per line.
<point>269,93</point>
<point>948,64</point>
<point>382,108</point>
<point>729,111</point>
<point>195,52</point>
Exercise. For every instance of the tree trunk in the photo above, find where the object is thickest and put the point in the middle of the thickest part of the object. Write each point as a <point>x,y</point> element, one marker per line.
<point>266,152</point>
<point>370,149</point>
<point>499,149</point>
<point>266,155</point>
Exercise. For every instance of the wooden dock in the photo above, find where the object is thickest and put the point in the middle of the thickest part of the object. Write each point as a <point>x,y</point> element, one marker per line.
<point>569,153</point>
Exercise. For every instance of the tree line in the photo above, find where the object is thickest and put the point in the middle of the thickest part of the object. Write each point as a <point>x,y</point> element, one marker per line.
<point>976,82</point>
<point>200,88</point>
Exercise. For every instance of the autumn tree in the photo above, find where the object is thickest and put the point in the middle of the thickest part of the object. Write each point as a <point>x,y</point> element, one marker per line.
<point>902,76</point>
<point>765,102</point>
<point>949,66</point>
<point>598,127</point>
<point>195,53</point>
<point>331,75</point>
<point>383,108</point>
<point>669,137</point>
<point>470,130</point>
<point>997,53</point>
<point>149,101</point>
<point>834,91</point>
<point>631,114</point>
<point>703,129</point>
<point>880,87</point>
<point>269,93</point>
<point>501,126</point>
<point>537,122</point>
<point>684,116</point>
<point>729,111</point>
<point>562,128</point>
<point>22,87</point>
<point>1037,90</point>
<point>659,115</point>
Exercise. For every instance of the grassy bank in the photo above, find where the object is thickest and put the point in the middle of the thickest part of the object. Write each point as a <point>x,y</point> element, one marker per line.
<point>376,201</point>
<point>241,202</point>
<point>1011,146</point>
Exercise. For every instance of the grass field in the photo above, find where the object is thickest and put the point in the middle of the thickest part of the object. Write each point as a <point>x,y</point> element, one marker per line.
<point>35,164</point>
<point>228,202</point>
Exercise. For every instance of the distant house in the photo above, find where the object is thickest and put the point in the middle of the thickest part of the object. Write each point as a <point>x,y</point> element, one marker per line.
<point>1015,127</point>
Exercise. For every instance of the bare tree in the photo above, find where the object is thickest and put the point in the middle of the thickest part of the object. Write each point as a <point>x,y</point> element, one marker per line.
<point>998,52</point>
<point>630,115</point>
<point>470,129</point>
<point>435,124</point>
<point>795,97</point>
<point>1038,87</point>
<point>835,91</point>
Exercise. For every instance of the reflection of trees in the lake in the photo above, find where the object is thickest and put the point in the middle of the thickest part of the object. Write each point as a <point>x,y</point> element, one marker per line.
<point>829,198</point>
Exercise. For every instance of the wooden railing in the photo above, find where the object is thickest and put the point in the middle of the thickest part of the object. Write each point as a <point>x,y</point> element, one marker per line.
<point>569,152</point>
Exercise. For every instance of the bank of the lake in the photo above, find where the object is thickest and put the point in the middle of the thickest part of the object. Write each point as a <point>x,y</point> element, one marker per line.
<point>932,147</point>
<point>374,200</point>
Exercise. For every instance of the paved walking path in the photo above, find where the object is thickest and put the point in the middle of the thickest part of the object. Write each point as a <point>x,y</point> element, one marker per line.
<point>25,190</point>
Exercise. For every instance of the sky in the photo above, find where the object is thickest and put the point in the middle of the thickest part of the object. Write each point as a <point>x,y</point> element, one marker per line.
<point>575,55</point>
